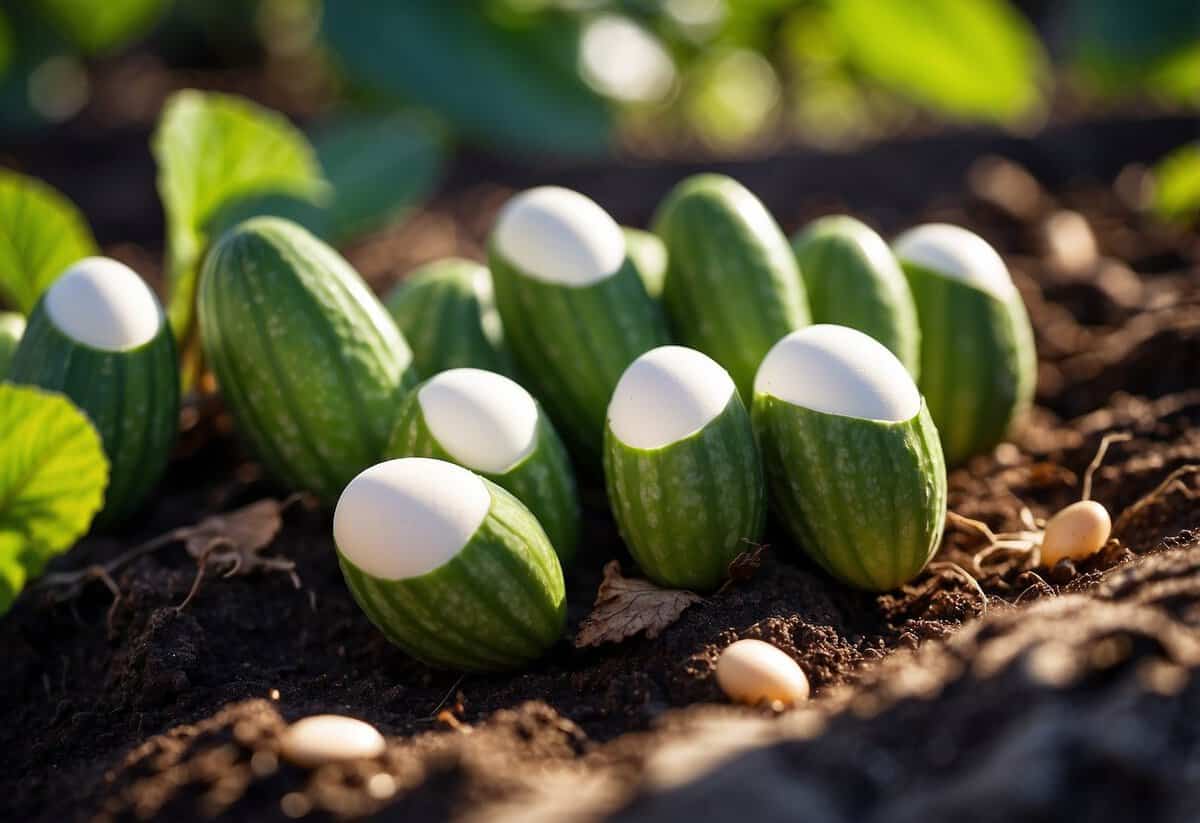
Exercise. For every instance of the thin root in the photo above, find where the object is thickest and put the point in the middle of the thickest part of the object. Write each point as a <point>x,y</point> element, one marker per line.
<point>1101,450</point>
<point>1172,483</point>
<point>955,570</point>
<point>433,715</point>
<point>1040,584</point>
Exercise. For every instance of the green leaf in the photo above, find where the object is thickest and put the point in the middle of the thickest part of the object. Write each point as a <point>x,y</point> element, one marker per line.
<point>1177,183</point>
<point>976,59</point>
<point>52,478</point>
<point>506,85</point>
<point>96,27</point>
<point>41,233</point>
<point>214,150</point>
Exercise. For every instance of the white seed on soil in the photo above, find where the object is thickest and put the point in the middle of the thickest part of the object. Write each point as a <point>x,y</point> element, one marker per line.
<point>328,738</point>
<point>1078,531</point>
<point>754,672</point>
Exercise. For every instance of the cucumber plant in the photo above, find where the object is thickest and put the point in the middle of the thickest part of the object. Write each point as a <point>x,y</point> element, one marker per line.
<point>978,363</point>
<point>489,424</point>
<point>449,566</point>
<point>852,456</point>
<point>682,469</point>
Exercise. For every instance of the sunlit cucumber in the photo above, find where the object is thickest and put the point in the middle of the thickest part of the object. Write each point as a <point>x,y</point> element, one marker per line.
<point>854,280</point>
<point>978,363</point>
<point>99,336</point>
<point>12,326</point>
<point>681,467</point>
<point>451,567</point>
<point>649,256</point>
<point>447,313</point>
<point>490,425</point>
<point>307,359</point>
<point>852,457</point>
<point>733,287</point>
<point>574,309</point>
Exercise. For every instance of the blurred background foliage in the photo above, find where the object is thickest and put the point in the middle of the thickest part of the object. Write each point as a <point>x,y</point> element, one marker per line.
<point>653,77</point>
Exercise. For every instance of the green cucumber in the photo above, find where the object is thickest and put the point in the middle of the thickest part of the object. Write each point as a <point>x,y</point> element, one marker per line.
<point>99,336</point>
<point>978,361</point>
<point>682,469</point>
<point>733,287</point>
<point>852,457</point>
<point>446,311</point>
<point>309,362</point>
<point>489,424</point>
<point>575,311</point>
<point>853,279</point>
<point>649,256</point>
<point>449,566</point>
<point>12,326</point>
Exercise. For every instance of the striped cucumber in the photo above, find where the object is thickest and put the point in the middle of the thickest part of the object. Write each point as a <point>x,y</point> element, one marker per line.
<point>308,360</point>
<point>733,287</point>
<point>575,311</point>
<point>451,567</point>
<point>489,424</point>
<point>649,256</point>
<point>12,326</point>
<point>682,469</point>
<point>446,311</point>
<point>978,361</point>
<point>854,280</point>
<point>99,336</point>
<point>852,457</point>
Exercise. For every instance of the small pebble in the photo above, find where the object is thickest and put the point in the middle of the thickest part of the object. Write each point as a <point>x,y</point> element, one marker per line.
<point>754,672</point>
<point>1078,531</point>
<point>327,738</point>
<point>1069,243</point>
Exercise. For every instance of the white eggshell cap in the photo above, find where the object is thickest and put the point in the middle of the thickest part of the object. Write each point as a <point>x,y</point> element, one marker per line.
<point>104,304</point>
<point>482,419</point>
<point>956,253</point>
<point>838,370</point>
<point>667,394</point>
<point>559,236</point>
<point>405,518</point>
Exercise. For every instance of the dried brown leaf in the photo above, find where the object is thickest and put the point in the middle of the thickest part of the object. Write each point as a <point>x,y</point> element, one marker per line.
<point>626,606</point>
<point>245,531</point>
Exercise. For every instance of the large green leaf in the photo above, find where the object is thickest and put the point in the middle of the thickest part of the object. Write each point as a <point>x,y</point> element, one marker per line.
<point>966,58</point>
<point>1177,183</point>
<point>41,233</point>
<point>102,25</point>
<point>52,478</point>
<point>214,150</point>
<point>503,85</point>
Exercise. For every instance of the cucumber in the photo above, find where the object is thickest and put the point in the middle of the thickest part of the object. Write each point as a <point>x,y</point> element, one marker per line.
<point>489,424</point>
<point>309,362</point>
<point>978,361</point>
<point>99,336</point>
<point>12,326</point>
<point>852,457</point>
<point>649,256</point>
<point>575,311</point>
<point>853,279</point>
<point>733,287</point>
<point>449,566</point>
<point>681,468</point>
<point>446,311</point>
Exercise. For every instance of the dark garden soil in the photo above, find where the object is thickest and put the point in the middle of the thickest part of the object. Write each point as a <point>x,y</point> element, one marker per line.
<point>1067,694</point>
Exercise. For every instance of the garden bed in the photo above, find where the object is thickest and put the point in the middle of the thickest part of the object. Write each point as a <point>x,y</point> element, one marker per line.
<point>1074,696</point>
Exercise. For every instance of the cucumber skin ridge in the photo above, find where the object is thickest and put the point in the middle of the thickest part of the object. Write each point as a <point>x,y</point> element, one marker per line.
<point>439,314</point>
<point>865,499</point>
<point>131,397</point>
<point>978,361</point>
<point>497,605</point>
<point>572,344</point>
<point>309,362</point>
<point>732,289</point>
<point>844,288</point>
<point>670,503</point>
<point>544,480</point>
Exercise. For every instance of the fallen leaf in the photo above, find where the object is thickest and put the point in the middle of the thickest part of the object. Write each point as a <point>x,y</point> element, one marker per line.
<point>626,606</point>
<point>746,565</point>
